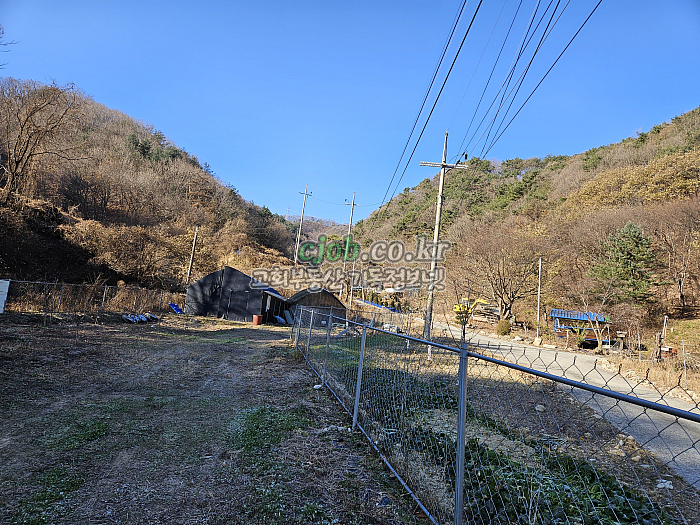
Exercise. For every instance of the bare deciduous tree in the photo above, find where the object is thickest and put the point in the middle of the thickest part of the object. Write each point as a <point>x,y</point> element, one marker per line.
<point>504,261</point>
<point>3,44</point>
<point>676,228</point>
<point>36,122</point>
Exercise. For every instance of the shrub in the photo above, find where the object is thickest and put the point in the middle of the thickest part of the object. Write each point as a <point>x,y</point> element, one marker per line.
<point>503,327</point>
<point>591,159</point>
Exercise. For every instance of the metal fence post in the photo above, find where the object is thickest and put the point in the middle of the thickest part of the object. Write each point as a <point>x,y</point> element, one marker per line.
<point>308,341</point>
<point>461,419</point>
<point>328,344</point>
<point>297,325</point>
<point>60,297</point>
<point>293,332</point>
<point>359,376</point>
<point>87,298</point>
<point>45,304</point>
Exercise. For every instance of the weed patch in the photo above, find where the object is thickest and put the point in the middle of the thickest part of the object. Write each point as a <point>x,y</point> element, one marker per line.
<point>76,435</point>
<point>261,427</point>
<point>55,485</point>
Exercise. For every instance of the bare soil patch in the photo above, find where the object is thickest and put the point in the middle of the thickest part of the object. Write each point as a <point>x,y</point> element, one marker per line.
<point>185,421</point>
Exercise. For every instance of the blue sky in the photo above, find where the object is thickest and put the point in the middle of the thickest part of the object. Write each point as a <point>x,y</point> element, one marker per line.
<point>276,95</point>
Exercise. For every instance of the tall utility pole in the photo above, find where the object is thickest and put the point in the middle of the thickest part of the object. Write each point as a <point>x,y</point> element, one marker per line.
<point>539,290</point>
<point>438,215</point>
<point>301,223</point>
<point>194,243</point>
<point>347,244</point>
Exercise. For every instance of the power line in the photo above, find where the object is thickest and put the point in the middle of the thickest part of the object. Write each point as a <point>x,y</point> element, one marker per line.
<point>521,79</point>
<point>483,52</point>
<point>345,203</point>
<point>425,125</point>
<point>547,73</point>
<point>545,34</point>
<point>493,69</point>
<point>427,93</point>
<point>525,42</point>
<point>528,36</point>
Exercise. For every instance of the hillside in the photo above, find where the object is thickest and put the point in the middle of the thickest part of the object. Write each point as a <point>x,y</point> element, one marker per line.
<point>574,212</point>
<point>90,194</point>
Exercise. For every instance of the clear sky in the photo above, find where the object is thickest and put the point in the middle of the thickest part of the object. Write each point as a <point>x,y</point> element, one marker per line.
<point>276,95</point>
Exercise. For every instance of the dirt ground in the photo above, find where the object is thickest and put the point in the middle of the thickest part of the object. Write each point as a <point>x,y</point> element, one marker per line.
<point>183,421</point>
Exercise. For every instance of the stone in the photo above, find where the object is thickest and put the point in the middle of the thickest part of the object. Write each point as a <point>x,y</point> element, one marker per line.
<point>540,408</point>
<point>665,484</point>
<point>537,341</point>
<point>636,459</point>
<point>517,338</point>
<point>551,347</point>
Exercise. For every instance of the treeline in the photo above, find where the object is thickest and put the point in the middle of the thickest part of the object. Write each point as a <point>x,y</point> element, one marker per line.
<point>617,227</point>
<point>130,197</point>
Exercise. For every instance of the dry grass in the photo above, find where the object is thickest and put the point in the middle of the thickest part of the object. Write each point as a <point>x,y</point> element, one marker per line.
<point>187,421</point>
<point>667,376</point>
<point>524,426</point>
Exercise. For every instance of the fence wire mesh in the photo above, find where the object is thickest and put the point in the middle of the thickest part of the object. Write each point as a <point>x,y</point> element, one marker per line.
<point>85,299</point>
<point>549,437</point>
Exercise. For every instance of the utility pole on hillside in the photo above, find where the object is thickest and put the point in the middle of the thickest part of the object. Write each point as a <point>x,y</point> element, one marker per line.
<point>301,223</point>
<point>347,243</point>
<point>438,215</point>
<point>194,243</point>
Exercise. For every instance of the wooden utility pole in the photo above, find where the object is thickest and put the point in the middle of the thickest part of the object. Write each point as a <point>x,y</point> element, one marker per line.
<point>539,290</point>
<point>194,243</point>
<point>428,319</point>
<point>347,244</point>
<point>301,223</point>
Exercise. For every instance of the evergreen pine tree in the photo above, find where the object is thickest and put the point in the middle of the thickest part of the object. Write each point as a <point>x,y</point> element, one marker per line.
<point>627,264</point>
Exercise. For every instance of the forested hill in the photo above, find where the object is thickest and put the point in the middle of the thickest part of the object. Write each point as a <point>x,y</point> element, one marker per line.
<point>492,190</point>
<point>572,210</point>
<point>88,193</point>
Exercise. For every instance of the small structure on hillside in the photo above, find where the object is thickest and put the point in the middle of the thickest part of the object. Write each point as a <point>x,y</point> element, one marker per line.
<point>318,300</point>
<point>231,294</point>
<point>581,324</point>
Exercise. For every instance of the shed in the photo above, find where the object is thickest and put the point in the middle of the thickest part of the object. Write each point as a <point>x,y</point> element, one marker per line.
<point>320,300</point>
<point>584,323</point>
<point>231,294</point>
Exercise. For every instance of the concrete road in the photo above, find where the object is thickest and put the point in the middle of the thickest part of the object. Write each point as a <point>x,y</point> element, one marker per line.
<point>675,442</point>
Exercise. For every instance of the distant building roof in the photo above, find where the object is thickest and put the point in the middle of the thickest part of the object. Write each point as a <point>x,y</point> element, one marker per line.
<point>576,315</point>
<point>321,297</point>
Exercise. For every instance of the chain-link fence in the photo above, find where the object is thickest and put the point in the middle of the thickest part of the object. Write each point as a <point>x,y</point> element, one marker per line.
<point>84,299</point>
<point>398,322</point>
<point>506,434</point>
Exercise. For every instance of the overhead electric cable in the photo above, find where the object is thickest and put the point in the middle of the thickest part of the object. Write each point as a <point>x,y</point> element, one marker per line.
<point>547,73</point>
<point>427,93</point>
<point>493,69</point>
<point>508,95</point>
<point>479,62</point>
<point>524,42</point>
<point>344,203</point>
<point>425,125</point>
<point>522,76</point>
<point>527,69</point>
